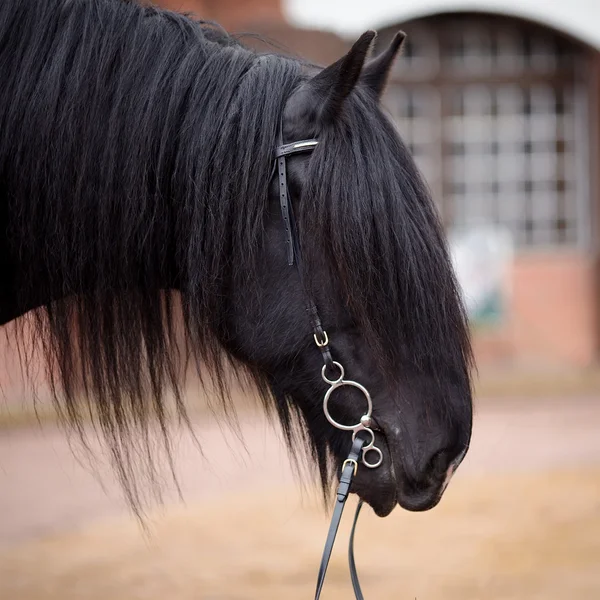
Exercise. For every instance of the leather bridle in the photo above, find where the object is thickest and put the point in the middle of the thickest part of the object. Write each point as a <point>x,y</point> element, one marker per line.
<point>363,437</point>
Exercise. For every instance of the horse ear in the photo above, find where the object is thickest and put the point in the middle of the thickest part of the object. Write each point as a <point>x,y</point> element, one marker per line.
<point>376,72</point>
<point>335,83</point>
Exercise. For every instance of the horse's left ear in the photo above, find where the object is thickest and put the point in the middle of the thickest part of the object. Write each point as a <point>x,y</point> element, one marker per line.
<point>334,84</point>
<point>376,72</point>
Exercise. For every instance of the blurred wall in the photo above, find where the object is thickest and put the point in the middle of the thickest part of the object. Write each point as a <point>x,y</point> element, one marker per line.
<point>234,15</point>
<point>501,115</point>
<point>266,18</point>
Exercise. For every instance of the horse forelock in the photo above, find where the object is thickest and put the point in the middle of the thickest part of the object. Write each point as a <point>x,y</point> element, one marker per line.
<point>368,211</point>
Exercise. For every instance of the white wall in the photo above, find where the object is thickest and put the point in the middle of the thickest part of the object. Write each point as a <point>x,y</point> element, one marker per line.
<point>580,18</point>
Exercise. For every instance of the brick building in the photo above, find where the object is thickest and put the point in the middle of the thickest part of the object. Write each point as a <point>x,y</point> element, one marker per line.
<point>234,15</point>
<point>500,109</point>
<point>267,18</point>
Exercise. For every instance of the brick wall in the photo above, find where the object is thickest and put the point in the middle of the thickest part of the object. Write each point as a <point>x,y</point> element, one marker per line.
<point>554,308</point>
<point>234,15</point>
<point>553,314</point>
<point>265,17</point>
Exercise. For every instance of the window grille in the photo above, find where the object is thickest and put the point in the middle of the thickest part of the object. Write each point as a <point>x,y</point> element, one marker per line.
<point>493,110</point>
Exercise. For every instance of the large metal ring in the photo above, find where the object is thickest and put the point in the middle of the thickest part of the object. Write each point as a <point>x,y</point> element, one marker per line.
<point>339,384</point>
<point>377,462</point>
<point>331,381</point>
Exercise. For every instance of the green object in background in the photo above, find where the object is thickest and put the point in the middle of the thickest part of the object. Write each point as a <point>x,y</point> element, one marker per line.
<point>489,311</point>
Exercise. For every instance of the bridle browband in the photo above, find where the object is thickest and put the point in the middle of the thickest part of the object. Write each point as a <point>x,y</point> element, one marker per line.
<point>362,431</point>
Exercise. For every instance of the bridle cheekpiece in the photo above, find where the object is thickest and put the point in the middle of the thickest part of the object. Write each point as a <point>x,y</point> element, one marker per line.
<point>363,436</point>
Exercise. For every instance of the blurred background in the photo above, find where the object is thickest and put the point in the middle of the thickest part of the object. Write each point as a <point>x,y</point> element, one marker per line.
<point>498,101</point>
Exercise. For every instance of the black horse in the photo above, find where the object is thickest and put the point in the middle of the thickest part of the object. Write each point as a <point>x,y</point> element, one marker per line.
<point>140,218</point>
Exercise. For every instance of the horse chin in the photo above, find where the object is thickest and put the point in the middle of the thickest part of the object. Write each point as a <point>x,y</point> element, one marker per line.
<point>378,487</point>
<point>378,491</point>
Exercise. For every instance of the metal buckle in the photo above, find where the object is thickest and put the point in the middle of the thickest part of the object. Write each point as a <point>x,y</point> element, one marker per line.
<point>323,342</point>
<point>352,461</point>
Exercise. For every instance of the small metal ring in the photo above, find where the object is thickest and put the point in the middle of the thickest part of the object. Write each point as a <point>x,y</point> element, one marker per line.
<point>371,443</point>
<point>335,386</point>
<point>331,381</point>
<point>375,464</point>
<point>323,342</point>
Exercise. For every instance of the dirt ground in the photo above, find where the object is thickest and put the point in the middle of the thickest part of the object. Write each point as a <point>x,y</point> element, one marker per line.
<point>521,520</point>
<point>503,537</point>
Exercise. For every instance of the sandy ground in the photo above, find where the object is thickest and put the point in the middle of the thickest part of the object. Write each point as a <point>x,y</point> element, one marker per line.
<point>520,520</point>
<point>507,537</point>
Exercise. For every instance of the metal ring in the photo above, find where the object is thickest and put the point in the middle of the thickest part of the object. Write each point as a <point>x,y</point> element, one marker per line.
<point>371,443</point>
<point>375,464</point>
<point>340,384</point>
<point>331,381</point>
<point>322,342</point>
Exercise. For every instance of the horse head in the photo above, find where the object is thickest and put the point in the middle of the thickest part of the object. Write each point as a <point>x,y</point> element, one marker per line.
<point>376,266</point>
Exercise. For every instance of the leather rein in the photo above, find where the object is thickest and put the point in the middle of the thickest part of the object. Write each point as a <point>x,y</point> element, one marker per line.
<point>363,437</point>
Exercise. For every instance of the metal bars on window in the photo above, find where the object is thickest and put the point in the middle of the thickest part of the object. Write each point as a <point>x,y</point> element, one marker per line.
<point>490,110</point>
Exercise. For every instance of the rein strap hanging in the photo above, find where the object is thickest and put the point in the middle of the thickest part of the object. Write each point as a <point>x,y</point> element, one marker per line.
<point>349,470</point>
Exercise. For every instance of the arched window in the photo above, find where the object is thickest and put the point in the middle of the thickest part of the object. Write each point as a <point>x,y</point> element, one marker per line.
<point>494,112</point>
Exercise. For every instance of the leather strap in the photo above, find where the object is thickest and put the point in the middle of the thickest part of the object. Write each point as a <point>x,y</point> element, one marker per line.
<point>351,563</point>
<point>350,466</point>
<point>285,209</point>
<point>292,246</point>
<point>320,335</point>
<point>281,152</point>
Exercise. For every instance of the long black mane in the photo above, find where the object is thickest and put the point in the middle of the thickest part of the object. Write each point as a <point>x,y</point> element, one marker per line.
<point>129,134</point>
<point>126,130</point>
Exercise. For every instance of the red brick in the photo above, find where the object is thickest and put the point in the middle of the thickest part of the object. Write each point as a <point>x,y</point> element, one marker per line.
<point>554,309</point>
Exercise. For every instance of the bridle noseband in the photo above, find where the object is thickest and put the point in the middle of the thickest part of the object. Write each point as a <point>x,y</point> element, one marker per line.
<point>363,436</point>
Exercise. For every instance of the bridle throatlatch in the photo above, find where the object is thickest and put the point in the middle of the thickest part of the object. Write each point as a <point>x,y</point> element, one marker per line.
<point>363,436</point>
